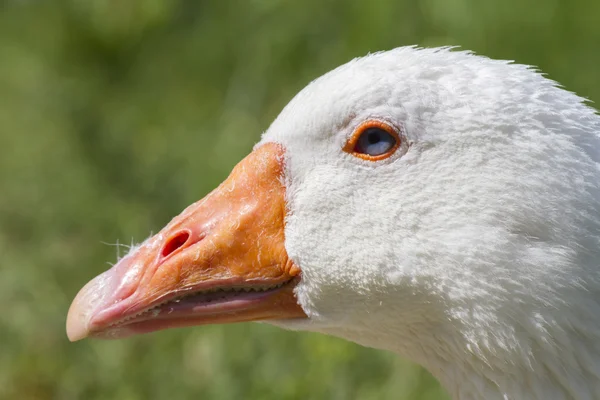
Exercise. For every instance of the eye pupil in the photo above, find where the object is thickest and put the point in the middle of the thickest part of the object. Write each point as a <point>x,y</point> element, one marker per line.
<point>373,136</point>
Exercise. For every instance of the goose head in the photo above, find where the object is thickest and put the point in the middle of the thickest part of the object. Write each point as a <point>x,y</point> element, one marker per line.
<point>429,202</point>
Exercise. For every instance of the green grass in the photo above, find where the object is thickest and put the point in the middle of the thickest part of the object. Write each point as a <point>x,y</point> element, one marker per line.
<point>114,115</point>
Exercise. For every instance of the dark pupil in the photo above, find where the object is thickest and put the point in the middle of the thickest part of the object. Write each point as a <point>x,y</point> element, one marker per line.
<point>374,136</point>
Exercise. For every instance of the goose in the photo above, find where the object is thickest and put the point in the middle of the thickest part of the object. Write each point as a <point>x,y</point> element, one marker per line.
<point>430,202</point>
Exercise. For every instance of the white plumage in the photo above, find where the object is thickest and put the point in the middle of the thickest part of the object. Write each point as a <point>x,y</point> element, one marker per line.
<point>474,250</point>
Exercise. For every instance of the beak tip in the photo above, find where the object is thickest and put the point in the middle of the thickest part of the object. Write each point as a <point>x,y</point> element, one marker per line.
<point>76,335</point>
<point>76,327</point>
<point>85,303</point>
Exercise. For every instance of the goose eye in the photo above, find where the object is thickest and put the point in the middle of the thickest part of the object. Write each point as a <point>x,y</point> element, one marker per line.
<point>373,141</point>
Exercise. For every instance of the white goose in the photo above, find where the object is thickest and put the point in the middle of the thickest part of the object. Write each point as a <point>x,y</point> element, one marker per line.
<point>437,204</point>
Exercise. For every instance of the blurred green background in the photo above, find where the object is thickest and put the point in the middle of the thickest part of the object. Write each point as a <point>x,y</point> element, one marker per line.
<point>114,115</point>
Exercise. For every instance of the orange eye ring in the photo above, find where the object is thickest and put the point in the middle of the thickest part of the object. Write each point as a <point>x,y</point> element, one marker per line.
<point>351,146</point>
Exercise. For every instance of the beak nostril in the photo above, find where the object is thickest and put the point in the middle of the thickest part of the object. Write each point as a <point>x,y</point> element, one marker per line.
<point>175,242</point>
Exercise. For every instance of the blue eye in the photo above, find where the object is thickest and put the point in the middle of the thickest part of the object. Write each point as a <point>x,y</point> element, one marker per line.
<point>375,141</point>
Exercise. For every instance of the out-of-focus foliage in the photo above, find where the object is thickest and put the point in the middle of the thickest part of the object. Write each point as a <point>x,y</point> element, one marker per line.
<point>114,115</point>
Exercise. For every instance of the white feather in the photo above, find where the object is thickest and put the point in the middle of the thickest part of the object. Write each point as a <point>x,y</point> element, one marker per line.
<point>473,251</point>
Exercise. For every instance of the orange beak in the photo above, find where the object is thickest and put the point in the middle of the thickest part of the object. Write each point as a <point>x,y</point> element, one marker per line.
<point>221,260</point>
